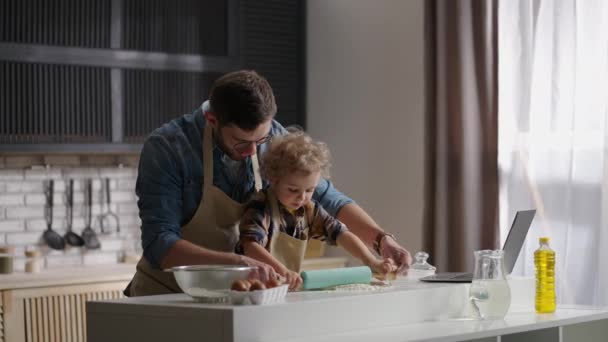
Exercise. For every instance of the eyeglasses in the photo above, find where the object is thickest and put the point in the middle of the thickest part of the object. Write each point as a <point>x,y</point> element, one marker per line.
<point>244,145</point>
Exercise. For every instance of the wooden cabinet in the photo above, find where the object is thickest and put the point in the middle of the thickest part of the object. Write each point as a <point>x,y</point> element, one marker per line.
<point>54,313</point>
<point>50,306</point>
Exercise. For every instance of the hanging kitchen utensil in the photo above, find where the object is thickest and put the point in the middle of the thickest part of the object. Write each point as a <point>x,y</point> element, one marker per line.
<point>51,237</point>
<point>70,237</point>
<point>88,234</point>
<point>106,219</point>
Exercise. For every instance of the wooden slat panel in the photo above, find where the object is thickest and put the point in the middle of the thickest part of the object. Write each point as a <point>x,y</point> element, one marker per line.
<point>273,44</point>
<point>37,318</point>
<point>173,93</point>
<point>78,318</point>
<point>51,117</point>
<point>176,26</point>
<point>59,329</point>
<point>1,321</point>
<point>59,316</point>
<point>63,322</point>
<point>69,320</point>
<point>72,318</point>
<point>28,314</point>
<point>86,297</point>
<point>53,320</point>
<point>45,319</point>
<point>55,22</point>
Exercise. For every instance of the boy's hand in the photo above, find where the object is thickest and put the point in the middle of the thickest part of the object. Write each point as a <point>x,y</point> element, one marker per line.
<point>382,268</point>
<point>293,279</point>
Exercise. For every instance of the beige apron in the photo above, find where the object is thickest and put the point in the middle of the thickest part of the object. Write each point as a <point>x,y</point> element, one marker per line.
<point>285,248</point>
<point>213,226</point>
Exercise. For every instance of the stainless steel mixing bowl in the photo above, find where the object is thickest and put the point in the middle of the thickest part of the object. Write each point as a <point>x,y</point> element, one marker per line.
<point>205,282</point>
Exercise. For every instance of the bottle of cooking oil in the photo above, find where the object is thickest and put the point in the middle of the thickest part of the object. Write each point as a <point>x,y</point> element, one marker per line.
<point>544,261</point>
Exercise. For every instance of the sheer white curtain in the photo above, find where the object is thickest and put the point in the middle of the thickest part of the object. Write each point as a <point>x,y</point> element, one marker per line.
<point>553,147</point>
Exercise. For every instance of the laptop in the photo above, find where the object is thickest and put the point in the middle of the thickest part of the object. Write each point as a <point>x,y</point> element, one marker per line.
<point>512,247</point>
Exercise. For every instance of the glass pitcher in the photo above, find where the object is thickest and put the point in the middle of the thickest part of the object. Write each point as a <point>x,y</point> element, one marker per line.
<point>490,294</point>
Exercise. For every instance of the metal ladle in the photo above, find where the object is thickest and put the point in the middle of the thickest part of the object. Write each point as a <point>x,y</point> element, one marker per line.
<point>88,234</point>
<point>106,219</point>
<point>51,237</point>
<point>70,237</point>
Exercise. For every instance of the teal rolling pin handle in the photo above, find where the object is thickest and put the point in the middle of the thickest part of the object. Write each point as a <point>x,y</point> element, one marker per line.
<point>319,279</point>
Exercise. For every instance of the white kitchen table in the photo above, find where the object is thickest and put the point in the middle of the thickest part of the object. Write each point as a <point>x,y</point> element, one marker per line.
<point>407,311</point>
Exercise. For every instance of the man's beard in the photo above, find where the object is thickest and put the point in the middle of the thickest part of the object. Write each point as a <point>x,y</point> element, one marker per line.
<point>217,135</point>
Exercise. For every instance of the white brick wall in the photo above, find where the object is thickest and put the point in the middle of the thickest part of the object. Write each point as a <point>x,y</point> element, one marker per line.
<point>97,258</point>
<point>23,212</point>
<point>42,173</point>
<point>11,199</point>
<point>23,239</point>
<point>23,186</point>
<point>62,261</point>
<point>126,184</point>
<point>19,264</point>
<point>11,175</point>
<point>12,226</point>
<point>128,208</point>
<point>39,225</point>
<point>79,173</point>
<point>22,203</point>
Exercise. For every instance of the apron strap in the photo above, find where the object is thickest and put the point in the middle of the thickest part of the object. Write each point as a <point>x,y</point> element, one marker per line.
<point>275,215</point>
<point>256,172</point>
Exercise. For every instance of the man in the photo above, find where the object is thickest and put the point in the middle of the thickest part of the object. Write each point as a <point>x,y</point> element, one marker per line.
<point>196,173</point>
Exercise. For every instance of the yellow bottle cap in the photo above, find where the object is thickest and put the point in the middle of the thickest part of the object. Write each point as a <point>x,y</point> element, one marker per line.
<point>543,239</point>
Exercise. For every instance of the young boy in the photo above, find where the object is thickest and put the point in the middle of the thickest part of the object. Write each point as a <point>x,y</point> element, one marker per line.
<point>280,220</point>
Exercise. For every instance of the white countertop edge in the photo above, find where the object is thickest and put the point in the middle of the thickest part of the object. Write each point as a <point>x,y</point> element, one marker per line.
<point>67,276</point>
<point>458,330</point>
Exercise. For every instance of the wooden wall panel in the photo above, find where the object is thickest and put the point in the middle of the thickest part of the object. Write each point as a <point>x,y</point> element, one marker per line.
<point>53,314</point>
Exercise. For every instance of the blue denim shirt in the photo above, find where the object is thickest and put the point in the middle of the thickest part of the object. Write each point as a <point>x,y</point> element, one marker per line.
<point>169,183</point>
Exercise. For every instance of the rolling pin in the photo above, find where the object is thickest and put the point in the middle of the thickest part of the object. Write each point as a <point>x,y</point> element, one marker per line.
<point>319,279</point>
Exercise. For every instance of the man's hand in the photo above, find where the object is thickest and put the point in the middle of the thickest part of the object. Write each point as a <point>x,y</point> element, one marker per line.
<point>264,272</point>
<point>390,249</point>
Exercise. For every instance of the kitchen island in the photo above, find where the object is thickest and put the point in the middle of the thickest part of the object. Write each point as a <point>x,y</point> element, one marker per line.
<point>405,311</point>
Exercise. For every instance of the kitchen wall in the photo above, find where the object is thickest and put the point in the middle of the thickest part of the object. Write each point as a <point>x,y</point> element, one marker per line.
<point>22,203</point>
<point>365,98</point>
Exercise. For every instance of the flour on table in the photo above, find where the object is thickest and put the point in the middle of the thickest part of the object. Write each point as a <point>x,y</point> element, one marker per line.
<point>358,288</point>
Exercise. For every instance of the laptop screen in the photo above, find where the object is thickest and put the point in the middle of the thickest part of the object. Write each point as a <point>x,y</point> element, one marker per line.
<point>517,236</point>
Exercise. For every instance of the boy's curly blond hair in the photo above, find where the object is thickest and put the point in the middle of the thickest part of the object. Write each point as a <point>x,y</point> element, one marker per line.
<point>295,151</point>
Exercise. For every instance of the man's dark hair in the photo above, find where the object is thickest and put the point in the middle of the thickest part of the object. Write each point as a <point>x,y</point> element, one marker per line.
<point>242,98</point>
